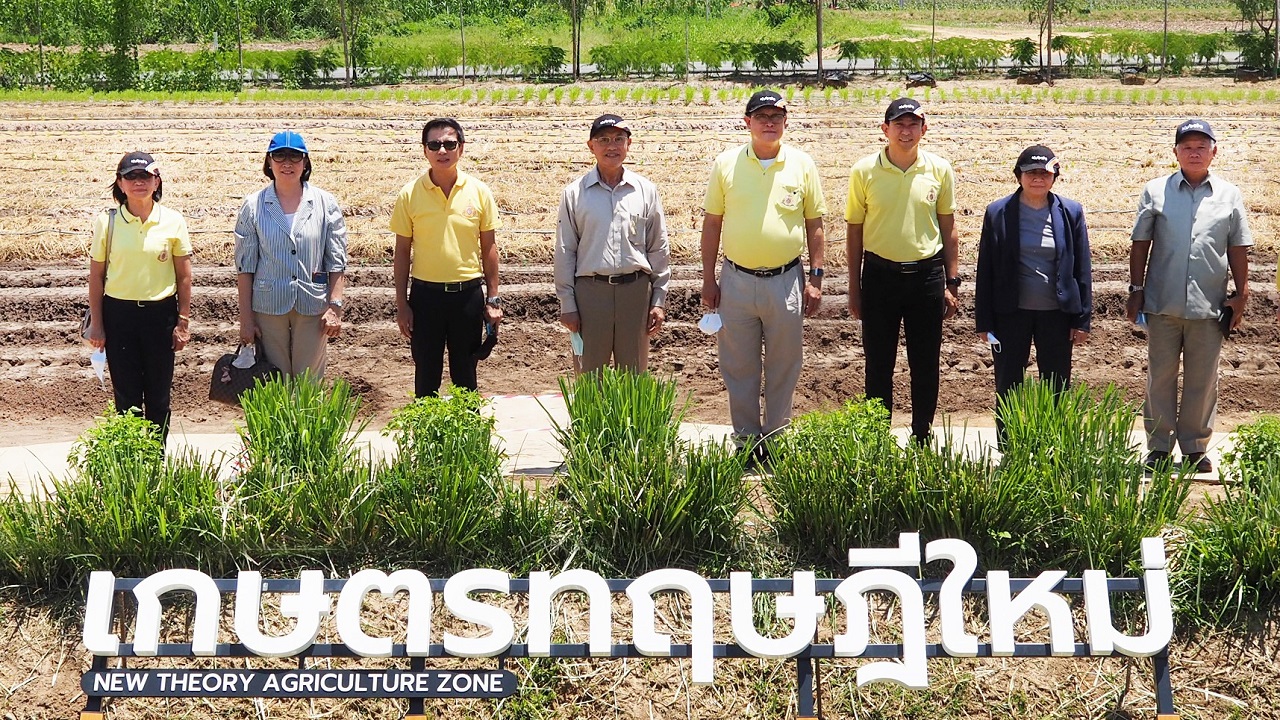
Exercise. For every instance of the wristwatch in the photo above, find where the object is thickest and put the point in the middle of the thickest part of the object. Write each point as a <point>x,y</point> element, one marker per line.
<point>494,301</point>
<point>337,303</point>
<point>1135,289</point>
<point>953,281</point>
<point>816,272</point>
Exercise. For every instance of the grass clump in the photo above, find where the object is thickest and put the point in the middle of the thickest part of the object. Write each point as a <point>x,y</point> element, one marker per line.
<point>307,493</point>
<point>1232,560</point>
<point>640,497</point>
<point>1083,475</point>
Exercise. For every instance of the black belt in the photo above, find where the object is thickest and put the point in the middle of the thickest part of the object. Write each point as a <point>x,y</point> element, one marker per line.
<point>766,272</point>
<point>144,303</point>
<point>450,287</point>
<point>904,267</point>
<point>622,279</point>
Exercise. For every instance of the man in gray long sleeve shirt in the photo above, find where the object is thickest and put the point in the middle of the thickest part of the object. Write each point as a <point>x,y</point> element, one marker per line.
<point>612,260</point>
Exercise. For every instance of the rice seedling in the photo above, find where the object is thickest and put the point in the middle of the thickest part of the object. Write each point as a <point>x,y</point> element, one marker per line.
<point>133,518</point>
<point>558,95</point>
<point>543,93</point>
<point>527,95</point>
<point>307,491</point>
<point>1230,563</point>
<point>605,94</point>
<point>575,93</point>
<point>1073,447</point>
<point>688,94</point>
<point>706,96</point>
<point>640,497</point>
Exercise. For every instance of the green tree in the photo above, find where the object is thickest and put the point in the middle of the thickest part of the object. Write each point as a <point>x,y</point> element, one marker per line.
<point>1257,44</point>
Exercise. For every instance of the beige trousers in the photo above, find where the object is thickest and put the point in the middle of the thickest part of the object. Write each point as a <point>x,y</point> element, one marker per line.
<point>293,342</point>
<point>615,320</point>
<point>761,314</point>
<point>1198,344</point>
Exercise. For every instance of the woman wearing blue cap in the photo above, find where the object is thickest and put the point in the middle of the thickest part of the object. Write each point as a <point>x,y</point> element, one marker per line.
<point>291,252</point>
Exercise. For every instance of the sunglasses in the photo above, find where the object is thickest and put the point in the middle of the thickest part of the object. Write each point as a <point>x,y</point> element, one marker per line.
<point>435,145</point>
<point>136,175</point>
<point>288,156</point>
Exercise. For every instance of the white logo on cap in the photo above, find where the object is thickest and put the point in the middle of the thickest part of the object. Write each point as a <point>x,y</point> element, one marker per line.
<point>1191,126</point>
<point>1041,158</point>
<point>907,106</point>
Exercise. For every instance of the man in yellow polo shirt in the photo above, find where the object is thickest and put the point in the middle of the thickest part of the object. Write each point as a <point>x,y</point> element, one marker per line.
<point>903,259</point>
<point>444,223</point>
<point>764,204</point>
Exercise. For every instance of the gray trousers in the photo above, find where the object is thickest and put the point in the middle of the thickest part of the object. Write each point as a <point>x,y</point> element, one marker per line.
<point>615,322</point>
<point>1198,343</point>
<point>761,313</point>
<point>293,342</point>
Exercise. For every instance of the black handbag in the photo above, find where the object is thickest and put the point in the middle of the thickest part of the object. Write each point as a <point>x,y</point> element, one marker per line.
<point>230,382</point>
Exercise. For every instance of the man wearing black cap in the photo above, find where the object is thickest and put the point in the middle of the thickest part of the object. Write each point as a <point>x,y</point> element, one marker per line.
<point>764,201</point>
<point>1192,230</point>
<point>611,257</point>
<point>903,259</point>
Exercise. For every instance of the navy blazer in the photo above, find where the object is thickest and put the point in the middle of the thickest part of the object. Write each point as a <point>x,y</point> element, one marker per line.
<point>999,252</point>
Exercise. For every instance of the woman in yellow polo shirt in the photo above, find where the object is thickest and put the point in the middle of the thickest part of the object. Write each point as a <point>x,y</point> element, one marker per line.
<point>140,289</point>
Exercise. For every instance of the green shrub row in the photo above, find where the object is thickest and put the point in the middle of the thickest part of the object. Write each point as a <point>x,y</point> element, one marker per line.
<point>1068,493</point>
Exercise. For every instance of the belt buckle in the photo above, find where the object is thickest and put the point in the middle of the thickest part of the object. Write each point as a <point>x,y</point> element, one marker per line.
<point>909,267</point>
<point>614,279</point>
<point>453,287</point>
<point>767,272</point>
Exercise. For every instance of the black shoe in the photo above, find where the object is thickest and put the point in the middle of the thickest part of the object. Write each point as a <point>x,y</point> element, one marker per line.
<point>1199,462</point>
<point>757,457</point>
<point>1156,460</point>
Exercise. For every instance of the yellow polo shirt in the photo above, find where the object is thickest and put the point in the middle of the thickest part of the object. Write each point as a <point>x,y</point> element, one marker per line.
<point>764,209</point>
<point>445,230</point>
<point>899,210</point>
<point>141,263</point>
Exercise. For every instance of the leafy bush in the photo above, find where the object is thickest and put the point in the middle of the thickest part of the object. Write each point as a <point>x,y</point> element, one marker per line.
<point>1254,450</point>
<point>117,441</point>
<point>444,499</point>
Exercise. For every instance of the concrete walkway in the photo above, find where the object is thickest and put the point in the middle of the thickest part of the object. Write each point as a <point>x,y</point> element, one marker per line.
<point>525,428</point>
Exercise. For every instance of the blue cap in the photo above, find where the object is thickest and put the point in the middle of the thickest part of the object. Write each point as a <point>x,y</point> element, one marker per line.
<point>287,140</point>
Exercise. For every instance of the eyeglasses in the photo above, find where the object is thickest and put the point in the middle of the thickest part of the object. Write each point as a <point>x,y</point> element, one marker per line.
<point>611,139</point>
<point>288,156</point>
<point>137,175</point>
<point>771,118</point>
<point>435,145</point>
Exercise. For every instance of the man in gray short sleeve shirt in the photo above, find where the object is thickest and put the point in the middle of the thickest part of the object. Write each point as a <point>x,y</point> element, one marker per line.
<point>1192,231</point>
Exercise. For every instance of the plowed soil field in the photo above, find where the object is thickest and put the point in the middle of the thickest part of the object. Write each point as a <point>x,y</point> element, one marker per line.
<point>60,157</point>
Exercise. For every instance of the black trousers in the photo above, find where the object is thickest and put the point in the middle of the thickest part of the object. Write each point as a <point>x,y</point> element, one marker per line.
<point>445,319</point>
<point>140,355</point>
<point>912,301</point>
<point>1050,330</point>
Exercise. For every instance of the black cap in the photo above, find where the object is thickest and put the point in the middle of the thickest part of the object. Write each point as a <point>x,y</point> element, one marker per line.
<point>486,347</point>
<point>1194,125</point>
<point>764,99</point>
<point>1036,157</point>
<point>606,121</point>
<point>902,106</point>
<point>138,160</point>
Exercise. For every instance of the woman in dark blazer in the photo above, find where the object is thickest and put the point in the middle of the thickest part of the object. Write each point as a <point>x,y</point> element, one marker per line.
<point>1035,280</point>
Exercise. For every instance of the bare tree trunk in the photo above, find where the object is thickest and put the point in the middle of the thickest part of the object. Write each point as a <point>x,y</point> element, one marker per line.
<point>40,40</point>
<point>348,62</point>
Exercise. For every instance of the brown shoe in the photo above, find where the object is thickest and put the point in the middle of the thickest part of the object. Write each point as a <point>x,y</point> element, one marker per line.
<point>1199,461</point>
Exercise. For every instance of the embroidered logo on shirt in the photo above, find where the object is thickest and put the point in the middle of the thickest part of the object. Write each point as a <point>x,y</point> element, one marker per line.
<point>932,196</point>
<point>163,256</point>
<point>470,211</point>
<point>791,200</point>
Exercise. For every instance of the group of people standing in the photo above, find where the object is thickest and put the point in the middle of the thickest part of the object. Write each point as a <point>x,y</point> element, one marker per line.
<point>763,215</point>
